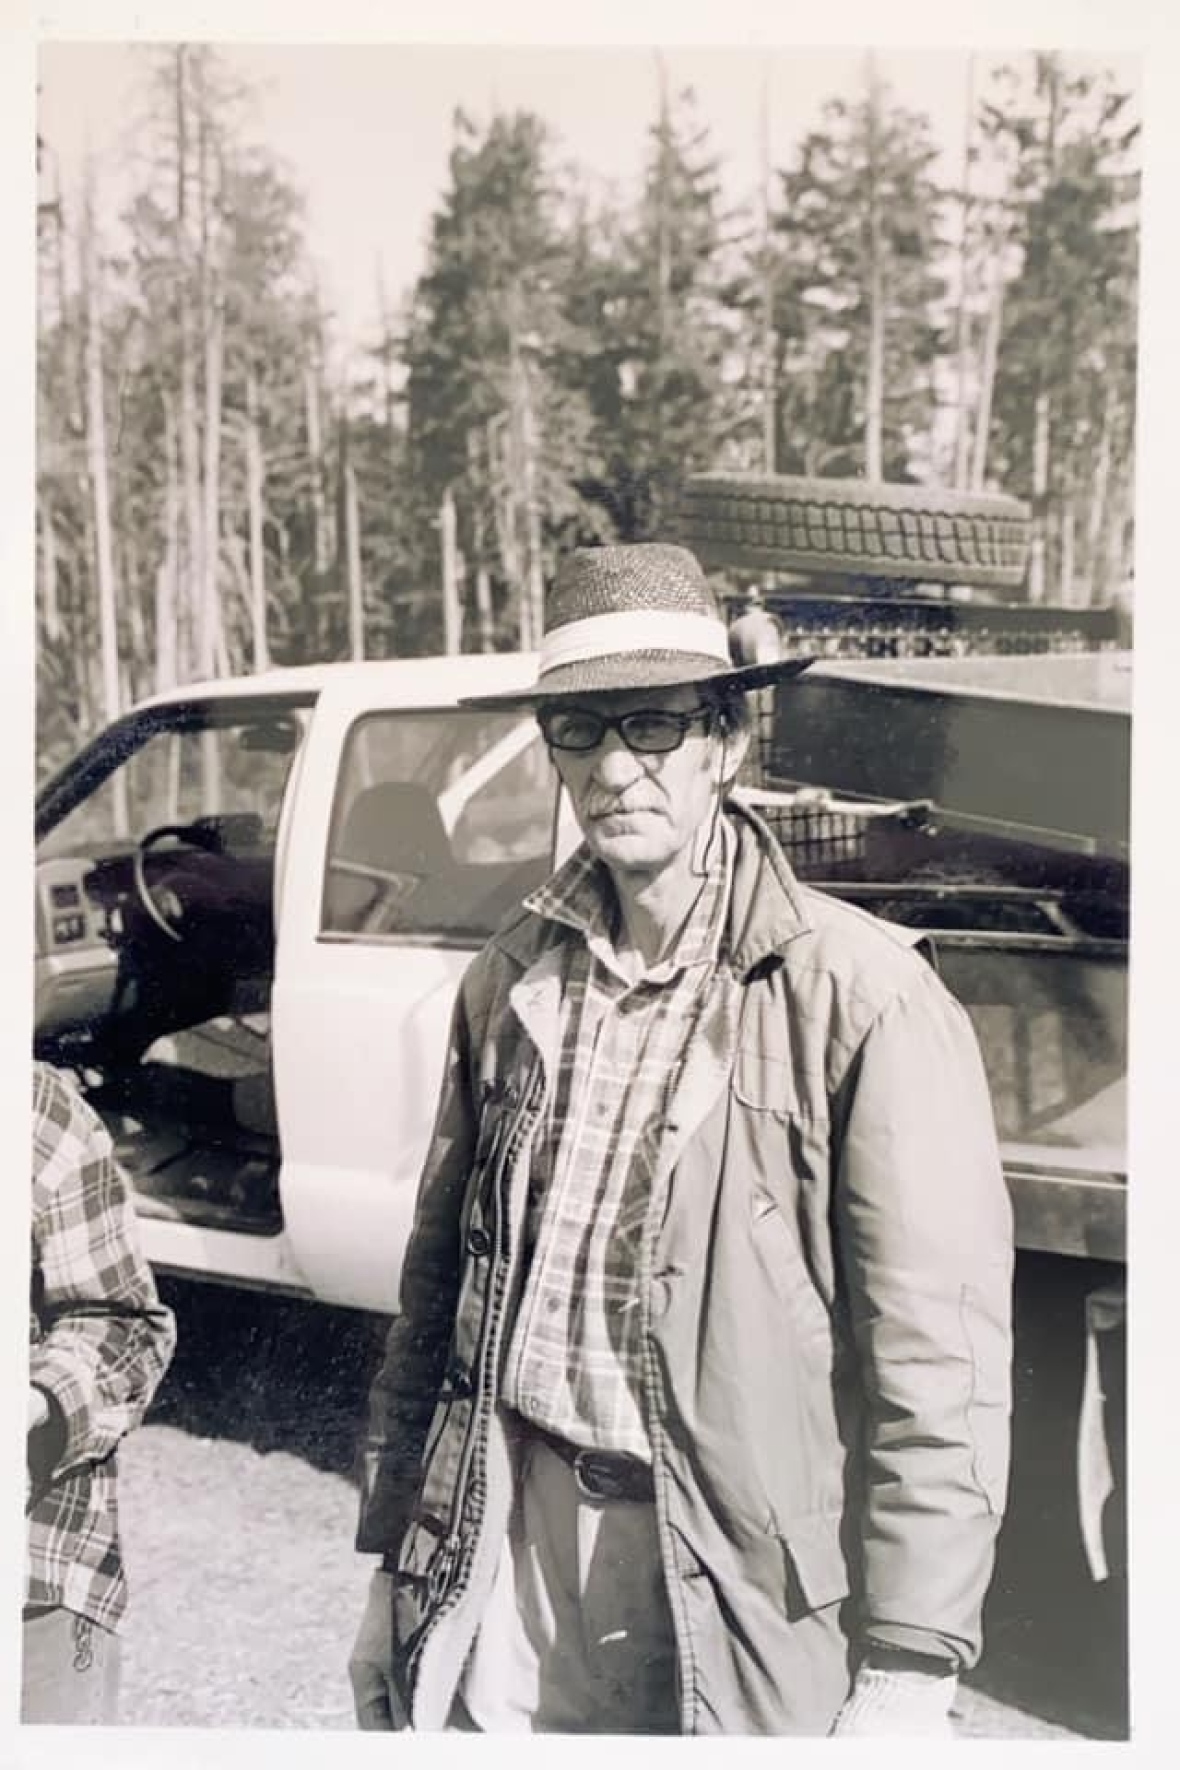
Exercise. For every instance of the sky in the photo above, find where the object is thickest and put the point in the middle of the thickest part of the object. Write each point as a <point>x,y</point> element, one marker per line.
<point>365,130</point>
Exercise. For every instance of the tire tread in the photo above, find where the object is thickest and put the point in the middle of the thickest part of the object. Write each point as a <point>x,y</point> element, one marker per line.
<point>873,529</point>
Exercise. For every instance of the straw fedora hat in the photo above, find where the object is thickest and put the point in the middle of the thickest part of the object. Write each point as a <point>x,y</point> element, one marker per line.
<point>635,616</point>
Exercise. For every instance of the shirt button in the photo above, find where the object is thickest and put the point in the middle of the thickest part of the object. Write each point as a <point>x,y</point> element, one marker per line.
<point>553,1304</point>
<point>478,1241</point>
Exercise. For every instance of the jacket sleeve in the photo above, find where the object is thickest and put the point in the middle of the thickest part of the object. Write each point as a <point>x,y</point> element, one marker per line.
<point>924,1229</point>
<point>104,1338</point>
<point>405,1389</point>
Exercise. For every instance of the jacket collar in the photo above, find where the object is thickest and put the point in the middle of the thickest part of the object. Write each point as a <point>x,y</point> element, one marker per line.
<point>767,908</point>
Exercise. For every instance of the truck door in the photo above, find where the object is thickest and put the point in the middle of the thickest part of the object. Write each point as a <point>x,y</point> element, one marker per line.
<point>416,828</point>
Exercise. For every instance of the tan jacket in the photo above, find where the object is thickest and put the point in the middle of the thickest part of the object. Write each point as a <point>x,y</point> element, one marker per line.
<point>826,1283</point>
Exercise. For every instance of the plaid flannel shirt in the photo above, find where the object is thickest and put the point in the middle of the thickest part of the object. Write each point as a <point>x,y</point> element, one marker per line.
<point>574,1355</point>
<point>99,1342</point>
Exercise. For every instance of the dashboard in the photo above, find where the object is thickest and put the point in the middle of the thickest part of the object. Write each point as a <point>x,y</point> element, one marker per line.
<point>76,961</point>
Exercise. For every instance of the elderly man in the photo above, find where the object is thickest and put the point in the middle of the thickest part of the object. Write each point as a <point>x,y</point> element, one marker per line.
<point>695,1418</point>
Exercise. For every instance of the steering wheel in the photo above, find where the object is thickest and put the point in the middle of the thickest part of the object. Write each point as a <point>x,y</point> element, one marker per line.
<point>164,905</point>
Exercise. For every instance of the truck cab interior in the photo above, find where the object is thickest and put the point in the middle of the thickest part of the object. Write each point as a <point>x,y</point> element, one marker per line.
<point>155,909</point>
<point>155,941</point>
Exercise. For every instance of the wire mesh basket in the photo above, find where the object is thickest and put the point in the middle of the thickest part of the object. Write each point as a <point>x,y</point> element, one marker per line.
<point>819,843</point>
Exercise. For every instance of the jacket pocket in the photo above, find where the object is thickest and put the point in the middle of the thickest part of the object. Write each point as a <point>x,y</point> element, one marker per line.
<point>817,1568</point>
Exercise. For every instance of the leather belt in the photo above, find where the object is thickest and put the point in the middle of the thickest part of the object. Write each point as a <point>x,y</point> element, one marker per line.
<point>600,1474</point>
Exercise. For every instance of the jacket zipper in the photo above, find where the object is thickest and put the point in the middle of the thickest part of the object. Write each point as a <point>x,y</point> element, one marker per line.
<point>505,1145</point>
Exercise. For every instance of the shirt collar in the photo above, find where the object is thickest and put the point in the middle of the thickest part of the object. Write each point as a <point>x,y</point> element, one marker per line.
<point>580,895</point>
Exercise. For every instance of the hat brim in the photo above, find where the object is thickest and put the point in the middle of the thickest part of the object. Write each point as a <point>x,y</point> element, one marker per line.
<point>621,674</point>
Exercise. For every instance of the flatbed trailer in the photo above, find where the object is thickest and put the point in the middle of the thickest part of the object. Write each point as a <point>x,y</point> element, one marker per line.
<point>1034,748</point>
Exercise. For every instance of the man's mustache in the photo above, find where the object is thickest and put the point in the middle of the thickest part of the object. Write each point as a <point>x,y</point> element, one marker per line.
<point>603,805</point>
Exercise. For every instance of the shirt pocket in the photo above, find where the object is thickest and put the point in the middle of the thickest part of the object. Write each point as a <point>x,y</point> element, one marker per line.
<point>765,1084</point>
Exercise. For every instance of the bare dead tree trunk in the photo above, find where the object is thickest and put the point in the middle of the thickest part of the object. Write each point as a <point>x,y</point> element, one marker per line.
<point>1097,514</point>
<point>73,349</point>
<point>1040,496</point>
<point>663,225</point>
<point>875,368</point>
<point>502,456</point>
<point>167,572</point>
<point>963,317</point>
<point>356,588</point>
<point>483,587</point>
<point>87,663</point>
<point>987,373</point>
<point>211,639</point>
<point>769,377</point>
<point>388,358</point>
<point>321,534</point>
<point>50,610</point>
<point>254,485</point>
<point>210,635</point>
<point>1067,593</point>
<point>192,573</point>
<point>1047,77</point>
<point>192,569</point>
<point>96,454</point>
<point>1117,552</point>
<point>136,661</point>
<point>534,582</point>
<point>451,611</point>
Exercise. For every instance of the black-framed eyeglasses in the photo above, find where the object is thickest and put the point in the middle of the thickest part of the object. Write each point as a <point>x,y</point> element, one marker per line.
<point>652,731</point>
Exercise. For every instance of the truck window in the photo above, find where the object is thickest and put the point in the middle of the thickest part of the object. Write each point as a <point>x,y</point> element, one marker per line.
<point>229,768</point>
<point>442,822</point>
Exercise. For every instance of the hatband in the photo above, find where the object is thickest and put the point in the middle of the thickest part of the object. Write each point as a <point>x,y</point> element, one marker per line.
<point>642,630</point>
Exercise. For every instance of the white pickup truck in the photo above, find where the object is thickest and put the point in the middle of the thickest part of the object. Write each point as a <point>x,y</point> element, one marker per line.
<point>255,899</point>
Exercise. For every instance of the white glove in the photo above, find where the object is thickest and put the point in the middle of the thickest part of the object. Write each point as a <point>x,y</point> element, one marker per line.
<point>897,1704</point>
<point>38,1408</point>
<point>377,1704</point>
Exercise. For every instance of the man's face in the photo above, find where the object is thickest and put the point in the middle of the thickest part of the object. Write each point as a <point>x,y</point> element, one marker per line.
<point>639,811</point>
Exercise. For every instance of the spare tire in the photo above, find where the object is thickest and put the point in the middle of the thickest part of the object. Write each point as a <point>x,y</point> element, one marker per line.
<point>864,528</point>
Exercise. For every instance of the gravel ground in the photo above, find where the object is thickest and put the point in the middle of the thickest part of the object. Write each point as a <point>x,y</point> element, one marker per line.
<point>245,1595</point>
<point>238,1505</point>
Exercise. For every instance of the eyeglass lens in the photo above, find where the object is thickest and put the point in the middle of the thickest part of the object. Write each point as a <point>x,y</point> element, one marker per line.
<point>645,729</point>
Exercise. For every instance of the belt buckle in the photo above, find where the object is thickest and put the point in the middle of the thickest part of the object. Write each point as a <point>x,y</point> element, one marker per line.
<point>599,1475</point>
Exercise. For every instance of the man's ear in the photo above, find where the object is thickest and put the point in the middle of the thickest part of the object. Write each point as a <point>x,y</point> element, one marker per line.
<point>734,745</point>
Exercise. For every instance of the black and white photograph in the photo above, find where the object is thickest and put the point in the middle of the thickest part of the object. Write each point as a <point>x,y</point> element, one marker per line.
<point>583,602</point>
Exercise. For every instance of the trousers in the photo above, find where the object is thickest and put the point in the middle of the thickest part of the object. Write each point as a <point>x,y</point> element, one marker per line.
<point>577,1636</point>
<point>69,1671</point>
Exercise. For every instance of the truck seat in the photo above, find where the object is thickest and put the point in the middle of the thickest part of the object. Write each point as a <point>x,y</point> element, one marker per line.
<point>392,838</point>
<point>214,1077</point>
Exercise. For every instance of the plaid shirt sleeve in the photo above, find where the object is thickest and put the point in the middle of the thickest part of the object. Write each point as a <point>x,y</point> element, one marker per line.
<point>101,1338</point>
